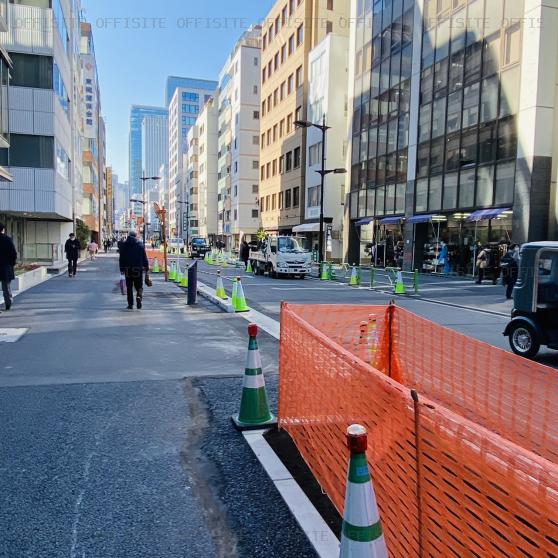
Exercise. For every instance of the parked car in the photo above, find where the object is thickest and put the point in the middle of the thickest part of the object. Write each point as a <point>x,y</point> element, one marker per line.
<point>199,246</point>
<point>534,320</point>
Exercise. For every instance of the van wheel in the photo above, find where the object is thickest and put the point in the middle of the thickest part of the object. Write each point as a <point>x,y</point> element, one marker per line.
<point>524,340</point>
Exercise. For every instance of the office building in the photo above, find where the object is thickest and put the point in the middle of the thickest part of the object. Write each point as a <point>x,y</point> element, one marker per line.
<point>154,143</point>
<point>203,207</point>
<point>109,214</point>
<point>292,29</point>
<point>238,142</point>
<point>138,113</point>
<point>327,98</point>
<point>453,133</point>
<point>44,157</point>
<point>174,82</point>
<point>190,178</point>
<point>186,104</point>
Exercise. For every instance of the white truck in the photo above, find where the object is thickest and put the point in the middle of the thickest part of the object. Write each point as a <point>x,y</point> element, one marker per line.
<point>282,256</point>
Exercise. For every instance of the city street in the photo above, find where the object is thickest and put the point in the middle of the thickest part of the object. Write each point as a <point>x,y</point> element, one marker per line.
<point>116,435</point>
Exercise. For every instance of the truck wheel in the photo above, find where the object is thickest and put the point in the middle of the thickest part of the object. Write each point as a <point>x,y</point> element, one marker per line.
<point>524,340</point>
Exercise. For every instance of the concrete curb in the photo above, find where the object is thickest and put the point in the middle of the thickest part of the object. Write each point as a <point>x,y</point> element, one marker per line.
<point>206,292</point>
<point>317,531</point>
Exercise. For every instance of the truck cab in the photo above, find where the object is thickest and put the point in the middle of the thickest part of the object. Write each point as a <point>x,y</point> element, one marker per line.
<point>282,256</point>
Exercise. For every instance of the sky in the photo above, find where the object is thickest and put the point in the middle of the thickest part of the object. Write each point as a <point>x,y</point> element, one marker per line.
<point>139,43</point>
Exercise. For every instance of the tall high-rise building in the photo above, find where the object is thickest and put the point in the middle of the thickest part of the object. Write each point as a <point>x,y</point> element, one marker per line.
<point>174,82</point>
<point>48,106</point>
<point>185,106</point>
<point>239,140</point>
<point>292,29</point>
<point>155,143</point>
<point>453,136</point>
<point>138,114</point>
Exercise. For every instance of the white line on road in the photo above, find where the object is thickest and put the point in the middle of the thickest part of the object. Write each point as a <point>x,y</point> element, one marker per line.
<point>315,528</point>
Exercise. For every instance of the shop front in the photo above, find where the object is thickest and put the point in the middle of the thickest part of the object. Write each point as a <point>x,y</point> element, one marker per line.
<point>381,241</point>
<point>449,243</point>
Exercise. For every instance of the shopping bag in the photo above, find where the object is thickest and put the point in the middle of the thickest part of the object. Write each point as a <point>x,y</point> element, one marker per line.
<point>122,285</point>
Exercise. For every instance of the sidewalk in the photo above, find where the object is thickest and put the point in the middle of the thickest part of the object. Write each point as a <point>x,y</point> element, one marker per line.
<point>117,439</point>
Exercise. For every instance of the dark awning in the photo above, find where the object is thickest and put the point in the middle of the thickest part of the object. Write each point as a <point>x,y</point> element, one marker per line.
<point>484,214</point>
<point>420,219</point>
<point>391,220</point>
<point>364,222</point>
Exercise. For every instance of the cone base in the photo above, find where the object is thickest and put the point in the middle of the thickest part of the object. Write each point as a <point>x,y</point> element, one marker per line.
<point>239,425</point>
<point>244,309</point>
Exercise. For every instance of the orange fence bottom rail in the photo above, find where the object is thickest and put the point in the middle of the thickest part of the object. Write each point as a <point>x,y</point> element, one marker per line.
<point>463,437</point>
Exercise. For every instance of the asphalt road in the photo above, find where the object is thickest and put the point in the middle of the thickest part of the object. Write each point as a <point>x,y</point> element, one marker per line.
<point>115,437</point>
<point>479,311</point>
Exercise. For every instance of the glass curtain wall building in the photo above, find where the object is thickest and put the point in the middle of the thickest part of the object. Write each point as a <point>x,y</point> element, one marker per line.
<point>435,131</point>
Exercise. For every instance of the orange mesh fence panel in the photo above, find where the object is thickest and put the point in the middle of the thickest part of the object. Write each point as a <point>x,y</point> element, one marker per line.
<point>323,389</point>
<point>511,396</point>
<point>480,495</point>
<point>484,480</point>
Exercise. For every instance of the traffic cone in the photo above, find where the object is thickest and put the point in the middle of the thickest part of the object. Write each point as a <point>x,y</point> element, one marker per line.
<point>249,267</point>
<point>325,272</point>
<point>234,293</point>
<point>172,274</point>
<point>156,268</point>
<point>254,407</point>
<point>332,276</point>
<point>240,304</point>
<point>220,290</point>
<point>361,534</point>
<point>178,276</point>
<point>354,281</point>
<point>184,280</point>
<point>399,285</point>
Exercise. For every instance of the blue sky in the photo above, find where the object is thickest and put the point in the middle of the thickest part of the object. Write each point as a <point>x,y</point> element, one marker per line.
<point>138,44</point>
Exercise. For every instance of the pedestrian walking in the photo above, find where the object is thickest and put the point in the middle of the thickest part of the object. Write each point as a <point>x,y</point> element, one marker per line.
<point>72,249</point>
<point>510,271</point>
<point>8,258</point>
<point>245,253</point>
<point>92,248</point>
<point>482,263</point>
<point>133,264</point>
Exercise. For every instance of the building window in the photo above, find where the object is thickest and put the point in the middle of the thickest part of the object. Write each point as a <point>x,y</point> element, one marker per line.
<point>313,199</point>
<point>273,202</point>
<point>187,96</point>
<point>61,91</point>
<point>274,167</point>
<point>298,113</point>
<point>296,196</point>
<point>281,164</point>
<point>329,27</point>
<point>300,36</point>
<point>31,151</point>
<point>255,213</point>
<point>282,128</point>
<point>255,91</point>
<point>267,200</point>
<point>30,70</point>
<point>290,84</point>
<point>330,5</point>
<point>280,200</point>
<point>289,161</point>
<point>256,115</point>
<point>291,44</point>
<point>315,154</point>
<point>299,77</point>
<point>287,199</point>
<point>255,188</point>
<point>289,123</point>
<point>296,158</point>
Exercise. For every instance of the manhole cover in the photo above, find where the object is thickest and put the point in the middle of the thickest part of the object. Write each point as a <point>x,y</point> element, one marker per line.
<point>12,335</point>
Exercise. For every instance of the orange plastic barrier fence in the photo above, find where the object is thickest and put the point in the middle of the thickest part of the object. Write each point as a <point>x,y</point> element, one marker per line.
<point>463,446</point>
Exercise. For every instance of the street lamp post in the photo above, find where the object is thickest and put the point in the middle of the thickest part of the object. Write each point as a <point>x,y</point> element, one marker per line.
<point>187,204</point>
<point>143,181</point>
<point>323,172</point>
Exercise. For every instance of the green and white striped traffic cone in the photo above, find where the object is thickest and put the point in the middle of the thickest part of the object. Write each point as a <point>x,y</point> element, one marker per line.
<point>240,301</point>
<point>234,293</point>
<point>220,289</point>
<point>399,287</point>
<point>254,407</point>
<point>184,280</point>
<point>354,281</point>
<point>156,268</point>
<point>362,535</point>
<point>172,274</point>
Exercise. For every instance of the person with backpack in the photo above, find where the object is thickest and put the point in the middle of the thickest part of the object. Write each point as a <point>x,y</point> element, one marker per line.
<point>133,265</point>
<point>510,270</point>
<point>72,249</point>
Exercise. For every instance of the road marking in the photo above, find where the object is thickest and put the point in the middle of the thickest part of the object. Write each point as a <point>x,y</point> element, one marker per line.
<point>300,288</point>
<point>12,335</point>
<point>315,528</point>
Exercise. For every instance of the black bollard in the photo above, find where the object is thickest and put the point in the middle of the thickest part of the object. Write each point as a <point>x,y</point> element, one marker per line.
<point>193,284</point>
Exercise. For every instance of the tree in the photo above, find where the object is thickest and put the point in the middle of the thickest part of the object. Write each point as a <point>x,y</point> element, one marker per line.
<point>83,233</point>
<point>261,234</point>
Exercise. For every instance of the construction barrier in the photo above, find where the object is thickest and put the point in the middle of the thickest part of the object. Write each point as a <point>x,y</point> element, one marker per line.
<point>463,437</point>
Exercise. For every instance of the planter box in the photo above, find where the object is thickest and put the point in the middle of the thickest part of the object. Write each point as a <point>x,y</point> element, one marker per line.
<point>29,279</point>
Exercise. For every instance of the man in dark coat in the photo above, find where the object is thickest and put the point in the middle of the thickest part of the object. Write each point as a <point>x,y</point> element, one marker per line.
<point>8,257</point>
<point>72,249</point>
<point>244,253</point>
<point>133,263</point>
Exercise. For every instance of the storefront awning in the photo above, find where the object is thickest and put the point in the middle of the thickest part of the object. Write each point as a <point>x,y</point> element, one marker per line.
<point>307,227</point>
<point>391,220</point>
<point>420,219</point>
<point>484,214</point>
<point>364,222</point>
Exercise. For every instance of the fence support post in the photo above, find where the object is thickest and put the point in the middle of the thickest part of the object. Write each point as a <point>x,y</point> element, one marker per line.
<point>415,397</point>
<point>416,280</point>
